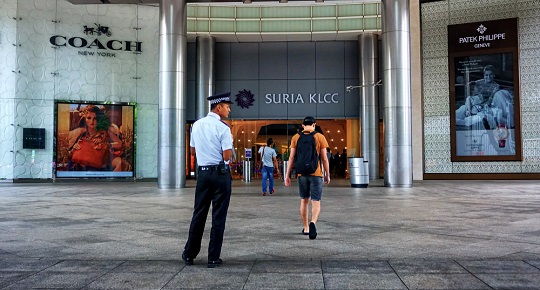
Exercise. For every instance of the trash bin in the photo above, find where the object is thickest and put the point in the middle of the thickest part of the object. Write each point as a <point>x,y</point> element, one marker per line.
<point>358,172</point>
<point>247,171</point>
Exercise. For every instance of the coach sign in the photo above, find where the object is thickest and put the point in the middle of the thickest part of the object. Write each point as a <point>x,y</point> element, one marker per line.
<point>106,48</point>
<point>484,91</point>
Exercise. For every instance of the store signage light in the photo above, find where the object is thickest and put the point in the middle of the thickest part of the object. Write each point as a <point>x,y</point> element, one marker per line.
<point>110,45</point>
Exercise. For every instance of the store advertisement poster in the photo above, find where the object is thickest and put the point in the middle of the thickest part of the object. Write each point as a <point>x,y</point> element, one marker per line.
<point>484,91</point>
<point>94,140</point>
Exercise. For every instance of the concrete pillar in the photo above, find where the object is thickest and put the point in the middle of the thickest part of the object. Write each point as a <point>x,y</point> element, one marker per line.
<point>172,94</point>
<point>205,74</point>
<point>397,93</point>
<point>369,110</point>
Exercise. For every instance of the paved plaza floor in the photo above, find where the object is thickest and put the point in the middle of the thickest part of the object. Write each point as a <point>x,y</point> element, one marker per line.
<point>129,235</point>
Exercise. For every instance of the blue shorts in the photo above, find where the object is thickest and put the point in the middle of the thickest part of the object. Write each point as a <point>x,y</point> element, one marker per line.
<point>310,187</point>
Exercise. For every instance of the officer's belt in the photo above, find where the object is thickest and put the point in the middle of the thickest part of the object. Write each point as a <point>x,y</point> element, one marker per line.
<point>211,167</point>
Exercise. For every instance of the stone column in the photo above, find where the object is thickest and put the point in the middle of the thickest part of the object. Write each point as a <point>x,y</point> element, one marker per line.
<point>172,94</point>
<point>397,93</point>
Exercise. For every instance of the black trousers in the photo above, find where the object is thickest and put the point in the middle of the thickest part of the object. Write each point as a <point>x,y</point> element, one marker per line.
<point>212,189</point>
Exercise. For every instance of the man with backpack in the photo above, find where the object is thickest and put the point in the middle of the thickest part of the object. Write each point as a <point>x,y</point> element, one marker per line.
<point>308,152</point>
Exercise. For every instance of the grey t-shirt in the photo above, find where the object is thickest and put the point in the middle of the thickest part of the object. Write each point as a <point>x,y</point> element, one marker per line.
<point>268,156</point>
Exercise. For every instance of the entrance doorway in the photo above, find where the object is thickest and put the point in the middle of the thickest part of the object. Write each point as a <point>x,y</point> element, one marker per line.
<point>342,136</point>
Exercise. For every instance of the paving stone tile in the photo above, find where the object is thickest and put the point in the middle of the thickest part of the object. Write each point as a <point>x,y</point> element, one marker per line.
<point>122,280</point>
<point>26,264</point>
<point>146,266</point>
<point>304,266</point>
<point>205,278</point>
<point>421,266</point>
<point>284,281</point>
<point>63,280</point>
<point>442,281</point>
<point>535,263</point>
<point>6,255</point>
<point>10,277</point>
<point>362,281</point>
<point>511,281</point>
<point>84,266</point>
<point>489,266</point>
<point>360,267</point>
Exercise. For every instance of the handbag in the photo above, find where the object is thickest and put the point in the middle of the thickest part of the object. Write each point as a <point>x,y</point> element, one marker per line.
<point>90,154</point>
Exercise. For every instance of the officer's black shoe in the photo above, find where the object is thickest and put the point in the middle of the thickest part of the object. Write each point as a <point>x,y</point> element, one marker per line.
<point>213,264</point>
<point>187,261</point>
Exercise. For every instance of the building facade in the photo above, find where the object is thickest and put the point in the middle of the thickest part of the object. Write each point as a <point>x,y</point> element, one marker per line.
<point>54,51</point>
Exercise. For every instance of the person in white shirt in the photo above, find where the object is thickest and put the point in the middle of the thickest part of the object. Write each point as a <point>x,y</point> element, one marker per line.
<point>211,145</point>
<point>269,163</point>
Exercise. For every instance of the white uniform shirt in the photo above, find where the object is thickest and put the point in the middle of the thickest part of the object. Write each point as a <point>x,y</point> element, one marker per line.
<point>210,137</point>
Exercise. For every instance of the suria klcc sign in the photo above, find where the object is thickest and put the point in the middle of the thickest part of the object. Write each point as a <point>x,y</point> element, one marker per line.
<point>105,48</point>
<point>292,98</point>
<point>245,98</point>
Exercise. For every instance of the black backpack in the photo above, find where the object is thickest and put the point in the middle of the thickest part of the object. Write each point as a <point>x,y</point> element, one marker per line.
<point>306,159</point>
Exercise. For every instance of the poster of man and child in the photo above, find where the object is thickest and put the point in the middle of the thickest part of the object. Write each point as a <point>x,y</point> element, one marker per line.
<point>484,91</point>
<point>484,101</point>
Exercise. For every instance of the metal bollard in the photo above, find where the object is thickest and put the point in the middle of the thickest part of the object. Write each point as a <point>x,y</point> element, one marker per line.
<point>247,171</point>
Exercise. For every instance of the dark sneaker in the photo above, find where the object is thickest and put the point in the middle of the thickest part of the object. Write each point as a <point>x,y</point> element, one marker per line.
<point>264,193</point>
<point>272,192</point>
<point>312,231</point>
<point>213,264</point>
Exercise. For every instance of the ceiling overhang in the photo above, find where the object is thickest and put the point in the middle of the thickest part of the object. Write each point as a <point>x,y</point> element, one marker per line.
<point>82,2</point>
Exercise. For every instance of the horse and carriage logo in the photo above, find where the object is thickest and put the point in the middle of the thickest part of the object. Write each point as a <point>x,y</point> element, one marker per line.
<point>99,30</point>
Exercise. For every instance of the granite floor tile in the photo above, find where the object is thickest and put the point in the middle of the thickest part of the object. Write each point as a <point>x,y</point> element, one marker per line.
<point>440,266</point>
<point>10,277</point>
<point>490,266</point>
<point>534,263</point>
<point>129,281</point>
<point>26,264</point>
<point>362,281</point>
<point>522,281</point>
<point>289,267</point>
<point>358,267</point>
<point>148,266</point>
<point>84,266</point>
<point>442,281</point>
<point>284,281</point>
<point>206,278</point>
<point>59,280</point>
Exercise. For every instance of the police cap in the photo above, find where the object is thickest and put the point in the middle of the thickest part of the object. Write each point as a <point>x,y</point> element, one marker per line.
<point>221,98</point>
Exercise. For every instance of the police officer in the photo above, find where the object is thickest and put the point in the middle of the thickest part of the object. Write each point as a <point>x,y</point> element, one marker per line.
<point>211,145</point>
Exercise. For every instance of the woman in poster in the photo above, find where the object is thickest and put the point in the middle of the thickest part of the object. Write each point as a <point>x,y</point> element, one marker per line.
<point>89,145</point>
